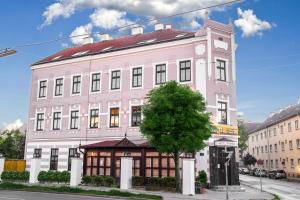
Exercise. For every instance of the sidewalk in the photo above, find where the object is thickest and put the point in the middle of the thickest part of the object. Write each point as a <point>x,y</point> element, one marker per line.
<point>249,194</point>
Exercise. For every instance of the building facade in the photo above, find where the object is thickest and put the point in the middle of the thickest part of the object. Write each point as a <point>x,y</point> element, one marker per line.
<point>94,92</point>
<point>276,141</point>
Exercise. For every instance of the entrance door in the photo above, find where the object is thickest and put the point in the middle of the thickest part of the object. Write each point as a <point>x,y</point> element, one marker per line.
<point>221,170</point>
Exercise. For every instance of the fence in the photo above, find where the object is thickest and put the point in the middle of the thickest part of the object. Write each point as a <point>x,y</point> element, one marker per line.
<point>14,165</point>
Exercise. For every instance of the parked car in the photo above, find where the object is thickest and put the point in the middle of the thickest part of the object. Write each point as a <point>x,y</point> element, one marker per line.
<point>260,172</point>
<point>252,172</point>
<point>244,170</point>
<point>277,174</point>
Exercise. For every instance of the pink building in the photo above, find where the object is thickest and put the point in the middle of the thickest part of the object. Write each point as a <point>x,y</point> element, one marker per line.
<point>93,93</point>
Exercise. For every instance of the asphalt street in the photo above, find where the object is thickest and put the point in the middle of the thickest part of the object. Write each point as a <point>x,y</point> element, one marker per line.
<point>284,189</point>
<point>22,195</point>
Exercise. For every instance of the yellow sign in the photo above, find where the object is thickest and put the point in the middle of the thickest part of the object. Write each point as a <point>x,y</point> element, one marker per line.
<point>226,129</point>
<point>14,165</point>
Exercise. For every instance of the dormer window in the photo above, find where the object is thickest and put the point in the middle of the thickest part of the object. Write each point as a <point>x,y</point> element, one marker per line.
<point>107,48</point>
<point>57,57</point>
<point>181,35</point>
<point>147,41</point>
<point>80,53</point>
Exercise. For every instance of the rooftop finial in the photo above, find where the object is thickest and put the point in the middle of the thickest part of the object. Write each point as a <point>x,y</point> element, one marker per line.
<point>206,14</point>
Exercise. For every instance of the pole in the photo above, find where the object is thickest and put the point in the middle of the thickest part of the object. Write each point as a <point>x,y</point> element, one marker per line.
<point>260,180</point>
<point>226,175</point>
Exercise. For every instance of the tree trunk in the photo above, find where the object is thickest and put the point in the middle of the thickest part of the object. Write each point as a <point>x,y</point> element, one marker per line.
<point>177,172</point>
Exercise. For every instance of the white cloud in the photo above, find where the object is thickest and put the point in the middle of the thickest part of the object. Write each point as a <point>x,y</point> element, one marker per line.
<point>14,125</point>
<point>250,24</point>
<point>109,19</point>
<point>81,32</point>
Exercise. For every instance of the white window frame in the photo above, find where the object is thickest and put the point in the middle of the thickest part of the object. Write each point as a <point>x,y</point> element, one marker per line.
<point>110,77</point>
<point>71,86</point>
<point>178,71</point>
<point>38,89</point>
<point>69,124</point>
<point>89,116</point>
<point>226,69</point>
<point>54,86</point>
<point>35,121</point>
<point>114,105</point>
<point>228,109</point>
<point>52,118</point>
<point>90,85</point>
<point>154,72</point>
<point>140,103</point>
<point>131,77</point>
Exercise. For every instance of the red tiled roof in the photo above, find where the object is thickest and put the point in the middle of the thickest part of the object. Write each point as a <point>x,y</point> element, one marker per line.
<point>126,42</point>
<point>116,143</point>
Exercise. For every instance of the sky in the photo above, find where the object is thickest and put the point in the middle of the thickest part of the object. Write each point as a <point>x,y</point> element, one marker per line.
<point>267,34</point>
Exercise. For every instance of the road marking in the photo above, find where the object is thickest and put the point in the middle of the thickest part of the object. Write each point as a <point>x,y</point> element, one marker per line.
<point>3,197</point>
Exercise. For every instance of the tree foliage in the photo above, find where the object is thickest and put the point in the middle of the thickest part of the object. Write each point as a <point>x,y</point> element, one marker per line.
<point>175,121</point>
<point>249,160</point>
<point>12,144</point>
<point>243,138</point>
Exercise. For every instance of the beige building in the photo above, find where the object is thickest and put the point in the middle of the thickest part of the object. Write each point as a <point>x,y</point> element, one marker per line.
<point>276,141</point>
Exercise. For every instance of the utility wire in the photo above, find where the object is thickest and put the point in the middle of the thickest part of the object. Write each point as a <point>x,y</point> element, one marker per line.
<point>126,26</point>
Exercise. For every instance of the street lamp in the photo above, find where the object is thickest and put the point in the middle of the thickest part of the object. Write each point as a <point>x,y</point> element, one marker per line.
<point>7,52</point>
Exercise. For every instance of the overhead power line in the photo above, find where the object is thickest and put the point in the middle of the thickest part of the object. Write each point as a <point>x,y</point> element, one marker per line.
<point>126,26</point>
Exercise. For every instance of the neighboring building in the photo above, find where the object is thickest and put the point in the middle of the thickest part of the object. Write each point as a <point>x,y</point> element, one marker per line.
<point>91,95</point>
<point>276,141</point>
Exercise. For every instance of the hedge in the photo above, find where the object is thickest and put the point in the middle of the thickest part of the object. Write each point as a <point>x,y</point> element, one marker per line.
<point>54,176</point>
<point>137,181</point>
<point>107,181</point>
<point>15,176</point>
<point>165,182</point>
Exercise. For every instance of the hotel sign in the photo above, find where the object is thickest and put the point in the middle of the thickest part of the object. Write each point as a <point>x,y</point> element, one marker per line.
<point>226,144</point>
<point>226,129</point>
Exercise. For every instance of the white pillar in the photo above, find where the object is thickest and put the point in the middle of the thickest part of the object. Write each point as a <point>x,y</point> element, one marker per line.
<point>35,168</point>
<point>2,161</point>
<point>188,176</point>
<point>126,173</point>
<point>76,171</point>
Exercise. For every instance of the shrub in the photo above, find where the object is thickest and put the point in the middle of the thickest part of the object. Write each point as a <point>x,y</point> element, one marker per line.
<point>168,182</point>
<point>137,180</point>
<point>99,180</point>
<point>54,176</point>
<point>87,180</point>
<point>109,181</point>
<point>15,176</point>
<point>202,177</point>
<point>154,181</point>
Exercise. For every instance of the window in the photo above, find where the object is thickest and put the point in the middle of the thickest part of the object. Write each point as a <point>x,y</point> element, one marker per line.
<point>261,136</point>
<point>76,84</point>
<point>135,115</point>
<point>137,74</point>
<point>222,112</point>
<point>292,163</point>
<point>282,146</point>
<point>261,149</point>
<point>115,79</point>
<point>37,153</point>
<point>291,144</point>
<point>275,147</point>
<point>274,130</point>
<point>252,138</point>
<point>289,127</point>
<point>271,149</point>
<point>253,150</point>
<point>221,70</point>
<point>56,120</point>
<point>296,125</point>
<point>114,117</point>
<point>58,87</point>
<point>256,138</point>
<point>74,123</point>
<point>40,122</point>
<point>276,163</point>
<point>281,129</point>
<point>270,133</point>
<point>266,148</point>
<point>265,133</point>
<point>54,159</point>
<point>271,163</point>
<point>95,87</point>
<point>298,143</point>
<point>72,153</point>
<point>185,71</point>
<point>42,89</point>
<point>160,74</point>
<point>94,118</point>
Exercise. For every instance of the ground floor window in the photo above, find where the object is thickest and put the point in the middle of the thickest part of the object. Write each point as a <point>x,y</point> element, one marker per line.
<point>72,153</point>
<point>54,159</point>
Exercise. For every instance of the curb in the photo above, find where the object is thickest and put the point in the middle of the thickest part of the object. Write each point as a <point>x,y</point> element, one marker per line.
<point>251,186</point>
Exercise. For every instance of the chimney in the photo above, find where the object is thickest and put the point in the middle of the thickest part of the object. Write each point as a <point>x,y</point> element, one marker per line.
<point>158,27</point>
<point>104,37</point>
<point>88,40</point>
<point>168,26</point>
<point>137,30</point>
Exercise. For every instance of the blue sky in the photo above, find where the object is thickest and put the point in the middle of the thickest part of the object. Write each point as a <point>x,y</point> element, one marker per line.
<point>268,59</point>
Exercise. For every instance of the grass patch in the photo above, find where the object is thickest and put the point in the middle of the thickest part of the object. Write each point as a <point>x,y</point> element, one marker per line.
<point>67,189</point>
<point>276,197</point>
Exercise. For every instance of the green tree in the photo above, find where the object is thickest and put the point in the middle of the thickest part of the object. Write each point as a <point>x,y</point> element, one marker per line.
<point>175,121</point>
<point>243,138</point>
<point>12,144</point>
<point>249,160</point>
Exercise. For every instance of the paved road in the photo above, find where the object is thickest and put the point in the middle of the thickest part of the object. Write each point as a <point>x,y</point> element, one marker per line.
<point>22,195</point>
<point>285,190</point>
